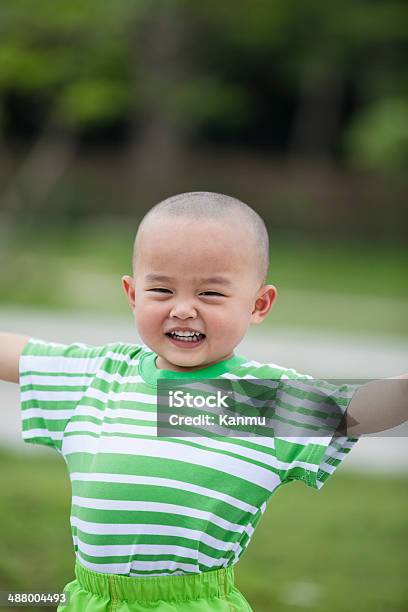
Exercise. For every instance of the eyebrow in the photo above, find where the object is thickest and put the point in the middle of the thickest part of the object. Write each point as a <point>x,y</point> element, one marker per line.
<point>213,280</point>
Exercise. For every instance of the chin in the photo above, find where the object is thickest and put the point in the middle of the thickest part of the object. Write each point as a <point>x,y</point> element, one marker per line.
<point>186,363</point>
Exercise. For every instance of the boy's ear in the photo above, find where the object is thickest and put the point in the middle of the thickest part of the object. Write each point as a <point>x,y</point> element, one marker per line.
<point>263,303</point>
<point>128,285</point>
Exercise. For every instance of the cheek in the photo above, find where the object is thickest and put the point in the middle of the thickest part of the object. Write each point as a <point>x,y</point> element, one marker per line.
<point>227,323</point>
<point>149,316</point>
<point>237,319</point>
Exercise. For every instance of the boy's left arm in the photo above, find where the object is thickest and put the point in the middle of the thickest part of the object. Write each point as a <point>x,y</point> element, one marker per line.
<point>376,406</point>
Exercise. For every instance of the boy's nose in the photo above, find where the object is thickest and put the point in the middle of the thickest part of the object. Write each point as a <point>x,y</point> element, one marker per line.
<point>183,310</point>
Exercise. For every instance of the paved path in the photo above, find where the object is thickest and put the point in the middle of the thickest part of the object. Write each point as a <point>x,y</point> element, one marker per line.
<point>321,355</point>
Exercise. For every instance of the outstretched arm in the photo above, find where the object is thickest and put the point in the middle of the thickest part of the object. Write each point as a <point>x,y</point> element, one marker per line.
<point>11,346</point>
<point>376,406</point>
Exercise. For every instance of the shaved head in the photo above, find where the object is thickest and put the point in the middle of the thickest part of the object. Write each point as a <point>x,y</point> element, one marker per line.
<point>209,206</point>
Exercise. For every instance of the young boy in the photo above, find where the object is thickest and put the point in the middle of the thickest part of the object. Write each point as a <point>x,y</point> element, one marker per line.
<point>159,522</point>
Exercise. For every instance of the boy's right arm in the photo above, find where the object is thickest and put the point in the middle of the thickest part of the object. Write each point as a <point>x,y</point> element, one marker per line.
<point>11,346</point>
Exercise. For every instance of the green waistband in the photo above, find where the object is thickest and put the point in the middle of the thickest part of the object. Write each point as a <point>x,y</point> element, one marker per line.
<point>216,583</point>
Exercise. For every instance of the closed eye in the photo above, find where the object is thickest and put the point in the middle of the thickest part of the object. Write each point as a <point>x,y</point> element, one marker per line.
<point>160,290</point>
<point>212,293</point>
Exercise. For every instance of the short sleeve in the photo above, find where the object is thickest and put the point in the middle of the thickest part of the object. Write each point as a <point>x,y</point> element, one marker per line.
<point>309,412</point>
<point>53,379</point>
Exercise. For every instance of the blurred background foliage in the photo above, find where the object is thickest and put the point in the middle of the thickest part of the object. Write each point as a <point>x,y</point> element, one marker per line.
<point>298,108</point>
<point>316,83</point>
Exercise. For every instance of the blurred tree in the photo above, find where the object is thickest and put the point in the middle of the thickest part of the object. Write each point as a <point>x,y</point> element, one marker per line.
<point>287,76</point>
<point>66,60</point>
<point>378,137</point>
<point>158,68</point>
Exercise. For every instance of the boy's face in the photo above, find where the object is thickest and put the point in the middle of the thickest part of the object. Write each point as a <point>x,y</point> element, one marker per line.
<point>195,276</point>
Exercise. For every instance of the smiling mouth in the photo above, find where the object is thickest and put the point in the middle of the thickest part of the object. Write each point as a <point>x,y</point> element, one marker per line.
<point>186,341</point>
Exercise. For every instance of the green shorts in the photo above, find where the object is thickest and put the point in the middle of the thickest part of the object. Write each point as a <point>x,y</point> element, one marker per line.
<point>205,592</point>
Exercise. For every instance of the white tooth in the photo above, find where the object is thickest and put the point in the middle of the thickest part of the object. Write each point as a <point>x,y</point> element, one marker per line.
<point>185,338</point>
<point>186,335</point>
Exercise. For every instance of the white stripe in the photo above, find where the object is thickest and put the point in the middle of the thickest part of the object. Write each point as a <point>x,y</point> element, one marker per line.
<point>244,452</point>
<point>66,365</point>
<point>252,363</point>
<point>235,377</point>
<point>115,413</point>
<point>149,529</point>
<point>49,415</point>
<point>326,407</point>
<point>81,427</point>
<point>120,428</point>
<point>250,530</point>
<point>45,342</point>
<point>42,433</point>
<point>163,482</point>
<point>311,404</point>
<point>275,381</point>
<point>91,411</point>
<point>70,365</point>
<point>326,467</point>
<point>335,454</point>
<point>344,442</point>
<point>149,506</point>
<point>121,358</point>
<point>171,450</point>
<point>60,380</point>
<point>121,550</point>
<point>120,396</point>
<point>84,426</point>
<point>323,387</point>
<point>322,440</point>
<point>310,425</point>
<point>115,377</point>
<point>51,396</point>
<point>124,568</point>
<point>71,381</point>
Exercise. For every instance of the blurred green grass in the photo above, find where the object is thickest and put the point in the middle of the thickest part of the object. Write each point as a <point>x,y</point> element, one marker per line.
<point>341,548</point>
<point>324,285</point>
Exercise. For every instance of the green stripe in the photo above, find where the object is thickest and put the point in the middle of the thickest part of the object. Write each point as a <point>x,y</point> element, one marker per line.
<point>153,518</point>
<point>157,540</point>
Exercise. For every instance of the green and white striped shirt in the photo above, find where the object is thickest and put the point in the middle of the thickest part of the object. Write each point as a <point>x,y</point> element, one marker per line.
<point>143,505</point>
